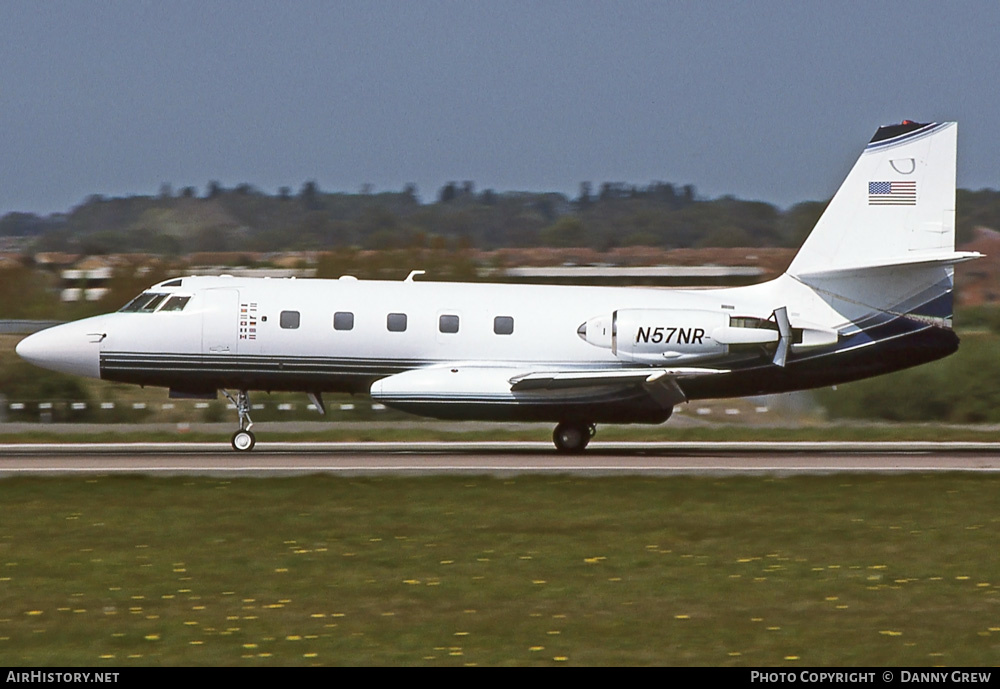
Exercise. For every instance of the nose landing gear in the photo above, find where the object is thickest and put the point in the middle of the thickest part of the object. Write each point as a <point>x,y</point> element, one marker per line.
<point>243,440</point>
<point>571,437</point>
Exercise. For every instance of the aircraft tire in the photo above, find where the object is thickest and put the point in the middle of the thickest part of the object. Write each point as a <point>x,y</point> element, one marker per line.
<point>243,441</point>
<point>571,438</point>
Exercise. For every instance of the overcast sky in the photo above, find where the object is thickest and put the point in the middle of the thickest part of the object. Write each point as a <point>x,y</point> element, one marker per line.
<point>762,100</point>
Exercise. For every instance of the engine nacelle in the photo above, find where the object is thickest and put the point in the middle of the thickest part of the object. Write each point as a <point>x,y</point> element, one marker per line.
<point>657,335</point>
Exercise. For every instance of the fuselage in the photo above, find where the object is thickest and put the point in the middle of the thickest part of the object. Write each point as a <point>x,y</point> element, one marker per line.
<point>196,335</point>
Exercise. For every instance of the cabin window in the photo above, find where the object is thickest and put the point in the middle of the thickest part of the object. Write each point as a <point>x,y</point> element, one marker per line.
<point>503,325</point>
<point>176,304</point>
<point>343,320</point>
<point>448,324</point>
<point>396,322</point>
<point>289,320</point>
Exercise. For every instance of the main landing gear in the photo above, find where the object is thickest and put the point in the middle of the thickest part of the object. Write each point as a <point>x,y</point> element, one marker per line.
<point>572,437</point>
<point>243,439</point>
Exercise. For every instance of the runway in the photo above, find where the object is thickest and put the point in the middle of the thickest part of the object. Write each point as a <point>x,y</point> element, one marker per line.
<point>497,458</point>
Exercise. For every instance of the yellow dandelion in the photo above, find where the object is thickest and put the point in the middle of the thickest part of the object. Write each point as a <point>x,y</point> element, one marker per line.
<point>791,657</point>
<point>561,659</point>
<point>152,637</point>
<point>682,617</point>
<point>535,649</point>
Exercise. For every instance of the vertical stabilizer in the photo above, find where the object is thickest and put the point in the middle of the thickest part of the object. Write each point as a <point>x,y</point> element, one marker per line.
<point>896,206</point>
<point>885,246</point>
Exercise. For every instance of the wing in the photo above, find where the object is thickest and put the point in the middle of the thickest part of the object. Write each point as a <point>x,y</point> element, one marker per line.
<point>447,389</point>
<point>659,383</point>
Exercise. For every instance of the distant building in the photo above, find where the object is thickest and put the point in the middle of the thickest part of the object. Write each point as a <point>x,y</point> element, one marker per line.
<point>84,284</point>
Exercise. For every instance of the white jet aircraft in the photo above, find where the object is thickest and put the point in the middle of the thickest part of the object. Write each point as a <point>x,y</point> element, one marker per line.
<point>869,292</point>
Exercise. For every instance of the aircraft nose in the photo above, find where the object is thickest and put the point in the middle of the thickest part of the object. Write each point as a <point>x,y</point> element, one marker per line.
<point>73,348</point>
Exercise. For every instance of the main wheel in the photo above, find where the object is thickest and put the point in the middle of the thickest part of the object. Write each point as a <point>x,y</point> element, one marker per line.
<point>572,437</point>
<point>243,441</point>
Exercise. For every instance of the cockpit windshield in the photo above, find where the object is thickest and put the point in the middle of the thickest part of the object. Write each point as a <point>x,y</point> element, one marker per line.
<point>147,302</point>
<point>176,304</point>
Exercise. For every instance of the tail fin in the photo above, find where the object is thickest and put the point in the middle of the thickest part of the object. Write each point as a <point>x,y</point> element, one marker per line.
<point>886,242</point>
<point>896,206</point>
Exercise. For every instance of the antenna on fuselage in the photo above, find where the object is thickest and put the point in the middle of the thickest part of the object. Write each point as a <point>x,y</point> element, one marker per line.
<point>413,274</point>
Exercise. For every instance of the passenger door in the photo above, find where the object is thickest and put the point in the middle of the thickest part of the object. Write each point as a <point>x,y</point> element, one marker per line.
<point>220,329</point>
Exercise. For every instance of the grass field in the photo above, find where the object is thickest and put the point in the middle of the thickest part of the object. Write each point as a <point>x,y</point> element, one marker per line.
<point>835,570</point>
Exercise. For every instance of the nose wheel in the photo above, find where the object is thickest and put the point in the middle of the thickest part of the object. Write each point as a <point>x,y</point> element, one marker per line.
<point>572,437</point>
<point>243,440</point>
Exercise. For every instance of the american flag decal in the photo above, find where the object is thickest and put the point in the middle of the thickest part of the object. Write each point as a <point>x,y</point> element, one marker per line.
<point>892,193</point>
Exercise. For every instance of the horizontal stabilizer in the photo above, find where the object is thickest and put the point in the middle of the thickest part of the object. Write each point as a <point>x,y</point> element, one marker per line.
<point>901,262</point>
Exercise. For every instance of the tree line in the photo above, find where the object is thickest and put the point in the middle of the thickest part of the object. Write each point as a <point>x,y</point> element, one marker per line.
<point>243,218</point>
